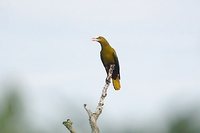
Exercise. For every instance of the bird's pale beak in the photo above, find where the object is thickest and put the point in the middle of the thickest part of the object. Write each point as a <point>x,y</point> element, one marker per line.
<point>94,39</point>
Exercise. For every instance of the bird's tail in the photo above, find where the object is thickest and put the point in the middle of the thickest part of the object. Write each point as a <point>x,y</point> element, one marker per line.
<point>116,83</point>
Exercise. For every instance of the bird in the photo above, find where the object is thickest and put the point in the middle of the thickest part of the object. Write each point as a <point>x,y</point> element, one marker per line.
<point>109,57</point>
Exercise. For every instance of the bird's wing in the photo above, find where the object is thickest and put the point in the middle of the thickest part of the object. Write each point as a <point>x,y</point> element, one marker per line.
<point>117,68</point>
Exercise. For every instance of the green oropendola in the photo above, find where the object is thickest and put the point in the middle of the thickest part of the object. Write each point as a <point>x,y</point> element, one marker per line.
<point>108,57</point>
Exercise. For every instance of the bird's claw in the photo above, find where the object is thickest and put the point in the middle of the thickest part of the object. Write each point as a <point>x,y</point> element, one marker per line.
<point>107,81</point>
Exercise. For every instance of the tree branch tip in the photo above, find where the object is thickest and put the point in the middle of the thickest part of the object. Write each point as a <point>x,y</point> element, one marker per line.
<point>68,122</point>
<point>68,125</point>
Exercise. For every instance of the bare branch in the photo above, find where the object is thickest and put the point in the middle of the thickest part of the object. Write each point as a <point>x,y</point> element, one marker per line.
<point>94,116</point>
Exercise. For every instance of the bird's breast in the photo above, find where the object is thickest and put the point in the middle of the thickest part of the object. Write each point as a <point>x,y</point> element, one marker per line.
<point>107,57</point>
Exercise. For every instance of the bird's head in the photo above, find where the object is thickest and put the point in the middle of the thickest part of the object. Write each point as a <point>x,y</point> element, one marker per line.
<point>100,39</point>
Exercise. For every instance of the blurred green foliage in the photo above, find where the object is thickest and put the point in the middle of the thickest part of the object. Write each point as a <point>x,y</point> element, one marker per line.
<point>13,120</point>
<point>185,123</point>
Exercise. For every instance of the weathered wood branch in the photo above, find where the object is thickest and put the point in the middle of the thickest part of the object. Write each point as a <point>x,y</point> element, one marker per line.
<point>93,116</point>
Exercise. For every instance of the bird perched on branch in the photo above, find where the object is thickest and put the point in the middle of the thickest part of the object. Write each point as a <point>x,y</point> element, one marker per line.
<point>108,57</point>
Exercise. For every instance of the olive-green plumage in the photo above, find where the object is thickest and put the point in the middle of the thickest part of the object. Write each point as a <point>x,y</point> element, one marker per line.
<point>108,57</point>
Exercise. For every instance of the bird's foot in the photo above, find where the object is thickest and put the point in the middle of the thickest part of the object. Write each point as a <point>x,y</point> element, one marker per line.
<point>107,81</point>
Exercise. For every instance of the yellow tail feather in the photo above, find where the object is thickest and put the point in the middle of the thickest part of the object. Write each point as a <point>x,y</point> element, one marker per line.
<point>116,83</point>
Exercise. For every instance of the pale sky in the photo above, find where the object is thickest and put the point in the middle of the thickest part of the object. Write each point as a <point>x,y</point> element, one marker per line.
<point>47,46</point>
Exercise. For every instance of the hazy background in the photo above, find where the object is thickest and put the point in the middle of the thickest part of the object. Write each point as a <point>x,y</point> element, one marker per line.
<point>49,67</point>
